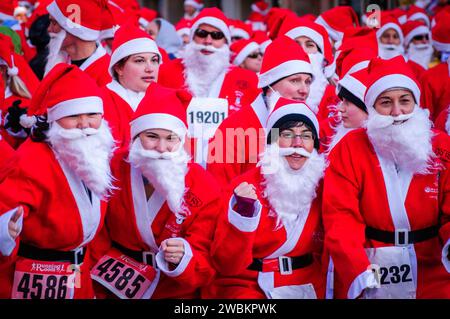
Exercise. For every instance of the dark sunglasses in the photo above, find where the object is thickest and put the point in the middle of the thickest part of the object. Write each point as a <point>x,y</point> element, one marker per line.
<point>421,37</point>
<point>254,55</point>
<point>216,35</point>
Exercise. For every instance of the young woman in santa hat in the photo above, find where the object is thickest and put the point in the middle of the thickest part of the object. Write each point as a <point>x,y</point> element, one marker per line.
<point>52,204</point>
<point>390,37</point>
<point>247,55</point>
<point>388,183</point>
<point>134,64</point>
<point>274,212</point>
<point>161,220</point>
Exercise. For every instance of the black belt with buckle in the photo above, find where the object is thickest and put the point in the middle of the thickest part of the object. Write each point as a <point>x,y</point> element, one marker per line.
<point>32,252</point>
<point>282,264</point>
<point>145,257</point>
<point>402,237</point>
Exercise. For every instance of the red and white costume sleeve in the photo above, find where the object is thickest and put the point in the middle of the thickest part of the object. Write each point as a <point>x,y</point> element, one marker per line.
<point>238,85</point>
<point>96,66</point>
<point>58,213</point>
<point>258,237</point>
<point>355,196</point>
<point>435,84</point>
<point>141,225</point>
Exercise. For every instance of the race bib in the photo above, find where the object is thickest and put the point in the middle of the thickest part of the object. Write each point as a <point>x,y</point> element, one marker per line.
<point>35,279</point>
<point>204,116</point>
<point>393,271</point>
<point>293,292</point>
<point>124,276</point>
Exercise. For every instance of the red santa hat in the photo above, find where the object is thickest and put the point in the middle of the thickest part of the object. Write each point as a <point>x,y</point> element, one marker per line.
<point>66,91</point>
<point>275,19</point>
<point>260,6</point>
<point>240,29</point>
<point>241,49</point>
<point>183,27</point>
<point>262,39</point>
<point>79,17</point>
<point>214,17</point>
<point>7,54</point>
<point>197,4</point>
<point>415,13</point>
<point>441,32</point>
<point>337,19</point>
<point>283,57</point>
<point>7,9</point>
<point>294,27</point>
<point>387,74</point>
<point>390,22</point>
<point>129,40</point>
<point>161,108</point>
<point>353,87</point>
<point>289,110</point>
<point>109,25</point>
<point>146,16</point>
<point>413,28</point>
<point>355,59</point>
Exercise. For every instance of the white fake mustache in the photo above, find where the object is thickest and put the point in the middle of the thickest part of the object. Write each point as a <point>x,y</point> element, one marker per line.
<point>164,155</point>
<point>286,151</point>
<point>75,133</point>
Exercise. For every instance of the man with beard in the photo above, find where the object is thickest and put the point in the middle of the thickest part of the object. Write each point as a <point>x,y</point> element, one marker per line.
<point>386,206</point>
<point>390,38</point>
<point>52,203</point>
<point>74,29</point>
<point>274,213</point>
<point>418,46</point>
<point>162,218</point>
<point>286,71</point>
<point>205,68</point>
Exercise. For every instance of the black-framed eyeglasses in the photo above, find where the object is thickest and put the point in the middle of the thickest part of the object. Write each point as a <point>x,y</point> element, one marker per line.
<point>290,136</point>
<point>216,35</point>
<point>254,55</point>
<point>421,37</point>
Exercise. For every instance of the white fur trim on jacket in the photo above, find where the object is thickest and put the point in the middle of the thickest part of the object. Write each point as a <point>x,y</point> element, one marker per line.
<point>364,280</point>
<point>181,267</point>
<point>7,244</point>
<point>244,224</point>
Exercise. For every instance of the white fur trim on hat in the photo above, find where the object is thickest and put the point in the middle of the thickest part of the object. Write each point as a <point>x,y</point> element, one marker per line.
<point>387,82</point>
<point>353,85</point>
<point>390,25</point>
<point>73,28</point>
<point>255,8</point>
<point>417,31</point>
<point>134,46</point>
<point>420,15</point>
<point>264,45</point>
<point>334,34</point>
<point>245,52</point>
<point>307,32</point>
<point>358,66</point>
<point>158,120</point>
<point>84,105</point>
<point>195,4</point>
<point>283,70</point>
<point>215,22</point>
<point>441,46</point>
<point>143,22</point>
<point>183,31</point>
<point>238,32</point>
<point>294,108</point>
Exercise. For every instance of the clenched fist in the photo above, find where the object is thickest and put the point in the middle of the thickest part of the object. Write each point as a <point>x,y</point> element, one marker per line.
<point>246,190</point>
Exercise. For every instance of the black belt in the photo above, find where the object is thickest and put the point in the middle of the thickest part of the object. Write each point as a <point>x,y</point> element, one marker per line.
<point>402,237</point>
<point>32,252</point>
<point>145,257</point>
<point>282,264</point>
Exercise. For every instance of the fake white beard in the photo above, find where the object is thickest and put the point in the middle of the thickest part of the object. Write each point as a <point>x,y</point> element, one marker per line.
<point>421,54</point>
<point>319,84</point>
<point>87,152</point>
<point>55,55</point>
<point>339,132</point>
<point>406,144</point>
<point>388,51</point>
<point>165,171</point>
<point>202,70</point>
<point>290,192</point>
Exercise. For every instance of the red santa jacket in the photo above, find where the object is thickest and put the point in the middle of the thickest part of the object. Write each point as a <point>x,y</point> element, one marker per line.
<point>7,158</point>
<point>355,196</point>
<point>238,141</point>
<point>238,87</point>
<point>58,214</point>
<point>97,66</point>
<point>441,121</point>
<point>435,84</point>
<point>134,224</point>
<point>238,240</point>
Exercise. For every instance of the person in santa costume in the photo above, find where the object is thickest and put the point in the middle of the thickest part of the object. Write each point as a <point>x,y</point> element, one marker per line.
<point>239,30</point>
<point>134,64</point>
<point>388,183</point>
<point>436,81</point>
<point>286,71</point>
<point>74,35</point>
<point>390,37</point>
<point>192,9</point>
<point>247,55</point>
<point>418,47</point>
<point>53,206</point>
<point>163,215</point>
<point>257,16</point>
<point>20,84</point>
<point>274,213</point>
<point>205,67</point>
